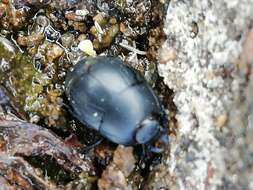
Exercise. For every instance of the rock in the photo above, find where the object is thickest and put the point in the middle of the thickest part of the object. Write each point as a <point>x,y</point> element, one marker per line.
<point>116,173</point>
<point>211,77</point>
<point>67,39</point>
<point>124,159</point>
<point>112,179</point>
<point>87,47</point>
<point>53,52</point>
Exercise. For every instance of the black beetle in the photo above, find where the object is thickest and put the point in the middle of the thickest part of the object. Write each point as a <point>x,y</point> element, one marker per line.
<point>107,95</point>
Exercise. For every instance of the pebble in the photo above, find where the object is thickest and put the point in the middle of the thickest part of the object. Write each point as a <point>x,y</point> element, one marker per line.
<point>87,47</point>
<point>67,39</point>
<point>54,52</point>
<point>124,159</point>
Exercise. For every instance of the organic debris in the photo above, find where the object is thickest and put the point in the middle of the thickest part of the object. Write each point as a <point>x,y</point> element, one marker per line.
<point>40,41</point>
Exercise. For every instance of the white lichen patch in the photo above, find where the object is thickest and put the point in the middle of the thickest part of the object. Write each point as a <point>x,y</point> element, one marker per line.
<point>203,90</point>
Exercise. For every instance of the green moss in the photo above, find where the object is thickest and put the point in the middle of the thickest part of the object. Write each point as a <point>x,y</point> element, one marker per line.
<point>5,53</point>
<point>121,4</point>
<point>29,88</point>
<point>26,80</point>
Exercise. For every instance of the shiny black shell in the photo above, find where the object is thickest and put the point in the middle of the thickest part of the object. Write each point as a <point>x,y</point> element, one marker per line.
<point>114,99</point>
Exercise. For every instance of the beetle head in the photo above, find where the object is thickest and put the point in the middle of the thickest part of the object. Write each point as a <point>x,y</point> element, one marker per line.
<point>147,130</point>
<point>152,133</point>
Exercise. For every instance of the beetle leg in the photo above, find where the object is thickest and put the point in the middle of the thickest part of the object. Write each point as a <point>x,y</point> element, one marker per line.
<point>160,144</point>
<point>156,149</point>
<point>88,148</point>
<point>69,109</point>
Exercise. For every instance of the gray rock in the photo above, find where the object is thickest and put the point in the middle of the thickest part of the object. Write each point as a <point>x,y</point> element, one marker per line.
<point>210,74</point>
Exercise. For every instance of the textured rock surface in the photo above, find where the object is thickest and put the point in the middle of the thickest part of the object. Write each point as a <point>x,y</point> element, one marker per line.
<point>114,177</point>
<point>207,61</point>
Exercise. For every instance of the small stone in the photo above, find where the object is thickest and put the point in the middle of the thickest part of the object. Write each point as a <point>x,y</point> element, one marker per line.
<point>67,39</point>
<point>30,41</point>
<point>113,20</point>
<point>167,54</point>
<point>81,37</point>
<point>53,52</point>
<point>116,173</point>
<point>100,19</point>
<point>72,16</point>
<point>124,159</point>
<point>79,26</point>
<point>112,178</point>
<point>78,15</point>
<point>221,120</point>
<point>87,47</point>
<point>122,27</point>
